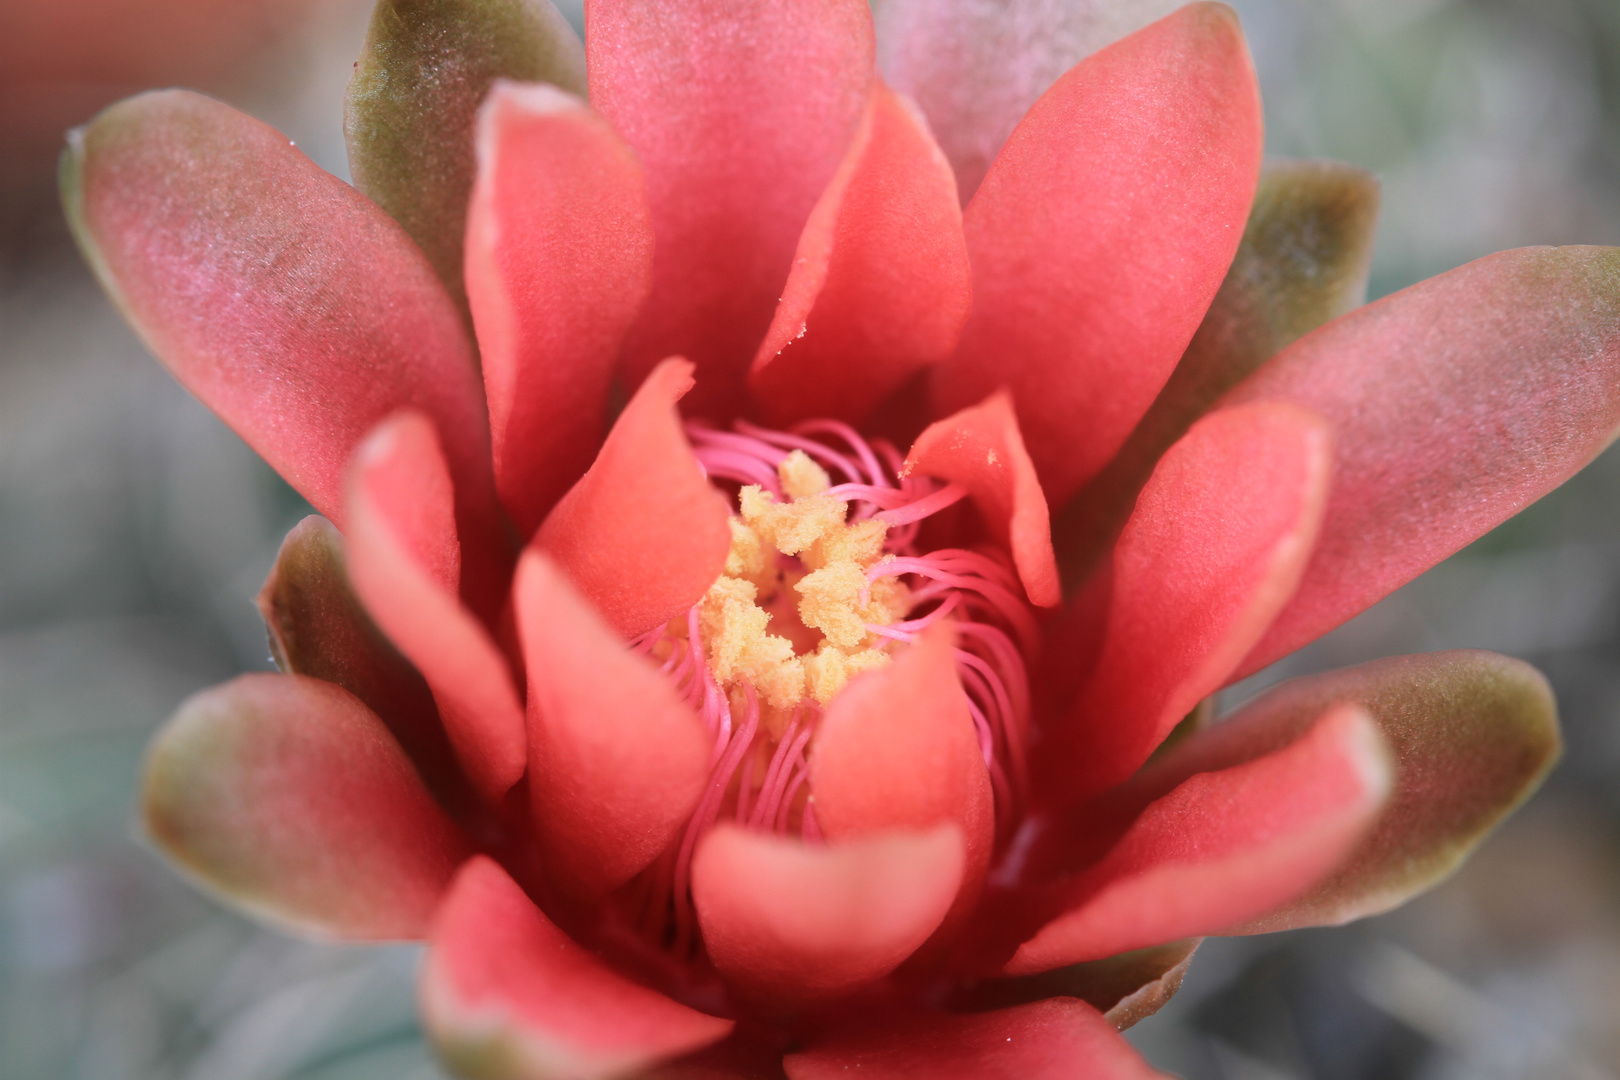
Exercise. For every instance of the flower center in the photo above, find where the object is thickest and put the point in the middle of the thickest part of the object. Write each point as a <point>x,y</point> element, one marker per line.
<point>825,580</point>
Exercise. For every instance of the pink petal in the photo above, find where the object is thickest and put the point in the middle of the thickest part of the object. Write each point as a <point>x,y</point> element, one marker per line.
<point>1213,551</point>
<point>879,287</point>
<point>288,797</point>
<point>616,760</point>
<point>791,923</point>
<point>409,112</point>
<point>289,303</point>
<point>559,260</point>
<point>318,628</point>
<point>1057,1039</point>
<point>981,449</point>
<point>1454,404</point>
<point>503,984</point>
<point>1303,261</point>
<point>1101,234</point>
<point>740,114</point>
<point>1225,846</point>
<point>642,534</point>
<point>977,68</point>
<point>402,548</point>
<point>1473,735</point>
<point>897,749</point>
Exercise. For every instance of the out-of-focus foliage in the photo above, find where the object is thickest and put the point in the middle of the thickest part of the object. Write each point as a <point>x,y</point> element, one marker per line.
<point>134,530</point>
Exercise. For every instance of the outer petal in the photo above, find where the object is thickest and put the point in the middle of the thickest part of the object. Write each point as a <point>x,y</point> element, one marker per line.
<point>1303,261</point>
<point>1224,846</point>
<point>1126,988</point>
<point>508,996</point>
<point>792,923</point>
<point>879,287</point>
<point>1212,553</point>
<point>976,68</point>
<point>1101,234</point>
<point>1473,735</point>
<point>982,449</point>
<point>289,797</point>
<point>642,534</point>
<point>1454,404</point>
<point>402,547</point>
<point>415,89</point>
<point>559,260</point>
<point>741,114</point>
<point>896,749</point>
<point>318,628</point>
<point>1057,1039</point>
<point>616,760</point>
<point>285,300</point>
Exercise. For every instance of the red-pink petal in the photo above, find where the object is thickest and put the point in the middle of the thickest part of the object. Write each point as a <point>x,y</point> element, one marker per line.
<point>1101,234</point>
<point>401,561</point>
<point>1225,846</point>
<point>879,287</point>
<point>642,534</point>
<point>503,984</point>
<point>1212,552</point>
<point>896,749</point>
<point>789,922</point>
<point>1454,404</point>
<point>289,797</point>
<point>559,260</point>
<point>740,114</point>
<point>976,68</point>
<point>1057,1039</point>
<point>288,302</point>
<point>982,449</point>
<point>616,760</point>
<point>1303,261</point>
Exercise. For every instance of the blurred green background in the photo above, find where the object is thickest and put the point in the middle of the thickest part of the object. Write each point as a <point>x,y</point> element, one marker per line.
<point>134,530</point>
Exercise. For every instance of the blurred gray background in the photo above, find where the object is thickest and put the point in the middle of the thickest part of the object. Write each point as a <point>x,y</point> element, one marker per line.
<point>134,530</point>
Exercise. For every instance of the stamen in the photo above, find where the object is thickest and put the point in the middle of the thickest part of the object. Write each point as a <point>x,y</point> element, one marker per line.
<point>824,581</point>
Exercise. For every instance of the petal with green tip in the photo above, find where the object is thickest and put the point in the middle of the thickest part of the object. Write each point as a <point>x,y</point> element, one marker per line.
<point>1473,735</point>
<point>1126,988</point>
<point>415,92</point>
<point>1454,404</point>
<point>288,797</point>
<point>285,300</point>
<point>318,628</point>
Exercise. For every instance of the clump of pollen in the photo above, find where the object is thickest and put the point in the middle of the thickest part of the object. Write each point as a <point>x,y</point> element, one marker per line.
<point>789,615</point>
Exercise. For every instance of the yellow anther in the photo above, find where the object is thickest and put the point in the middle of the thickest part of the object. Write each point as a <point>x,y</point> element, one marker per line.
<point>748,557</point>
<point>860,543</point>
<point>829,577</point>
<point>828,601</point>
<point>828,668</point>
<point>801,476</point>
<point>740,648</point>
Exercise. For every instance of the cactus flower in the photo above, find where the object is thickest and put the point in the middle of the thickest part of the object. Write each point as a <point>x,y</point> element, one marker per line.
<point>781,526</point>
